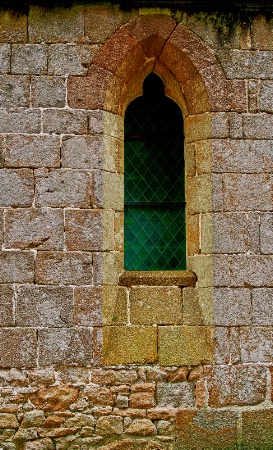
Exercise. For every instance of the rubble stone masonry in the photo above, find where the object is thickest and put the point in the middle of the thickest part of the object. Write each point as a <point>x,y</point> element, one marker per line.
<point>92,357</point>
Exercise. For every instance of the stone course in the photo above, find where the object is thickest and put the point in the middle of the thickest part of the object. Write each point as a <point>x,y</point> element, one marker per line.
<point>90,359</point>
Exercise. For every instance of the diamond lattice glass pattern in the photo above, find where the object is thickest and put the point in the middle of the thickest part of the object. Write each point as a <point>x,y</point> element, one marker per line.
<point>154,182</point>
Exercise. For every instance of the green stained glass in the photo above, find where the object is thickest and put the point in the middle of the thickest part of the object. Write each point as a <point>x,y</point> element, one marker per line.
<point>154,182</point>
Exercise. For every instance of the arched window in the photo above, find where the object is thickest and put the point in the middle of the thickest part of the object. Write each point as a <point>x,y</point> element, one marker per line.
<point>154,209</point>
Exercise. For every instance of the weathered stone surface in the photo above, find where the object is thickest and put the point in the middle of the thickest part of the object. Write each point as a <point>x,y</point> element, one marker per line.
<point>109,425</point>
<point>50,306</point>
<point>13,27</point>
<point>40,444</point>
<point>89,230</point>
<point>266,233</point>
<point>142,427</point>
<point>4,58</point>
<point>124,444</point>
<point>18,348</point>
<point>6,306</point>
<point>17,187</point>
<point>57,25</point>
<point>127,345</point>
<point>262,312</point>
<point>34,228</point>
<point>54,398</point>
<point>114,305</point>
<point>247,192</point>
<point>16,267</point>
<point>29,59</point>
<point>175,395</point>
<point>206,429</point>
<point>48,92</point>
<point>258,126</point>
<point>257,344</point>
<point>198,306</point>
<point>99,395</point>
<point>63,188</point>
<point>182,345</point>
<point>246,64</point>
<point>14,91</point>
<point>64,268</point>
<point>33,419</point>
<point>8,421</point>
<point>21,120</point>
<point>231,307</point>
<point>237,385</point>
<point>67,60</point>
<point>103,193</point>
<point>206,126</point>
<point>107,267</point>
<point>261,33</point>
<point>142,400</point>
<point>32,151</point>
<point>65,347</point>
<point>248,270</point>
<point>88,308</point>
<point>59,121</point>
<point>226,345</point>
<point>82,152</point>
<point>257,429</point>
<point>151,305</point>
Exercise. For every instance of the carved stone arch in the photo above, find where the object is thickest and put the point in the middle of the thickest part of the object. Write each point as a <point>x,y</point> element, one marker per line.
<point>195,80</point>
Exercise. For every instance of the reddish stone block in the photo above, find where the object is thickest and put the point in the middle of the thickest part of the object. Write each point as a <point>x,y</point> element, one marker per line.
<point>206,429</point>
<point>257,429</point>
<point>121,47</point>
<point>142,400</point>
<point>237,385</point>
<point>88,306</point>
<point>18,348</point>
<point>151,31</point>
<point>179,374</point>
<point>161,413</point>
<point>99,396</point>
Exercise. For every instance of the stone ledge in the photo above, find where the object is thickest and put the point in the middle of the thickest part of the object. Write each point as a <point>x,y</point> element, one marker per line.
<point>158,278</point>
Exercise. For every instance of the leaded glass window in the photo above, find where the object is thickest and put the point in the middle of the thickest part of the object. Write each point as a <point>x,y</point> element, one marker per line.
<point>154,208</point>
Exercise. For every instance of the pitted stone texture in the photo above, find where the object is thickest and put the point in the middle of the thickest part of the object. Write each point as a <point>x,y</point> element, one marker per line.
<point>40,444</point>
<point>206,429</point>
<point>107,267</point>
<point>237,385</point>
<point>88,308</point>
<point>247,192</point>
<point>64,268</point>
<point>67,60</point>
<point>151,305</point>
<point>55,398</point>
<point>59,121</point>
<point>257,344</point>
<point>21,120</point>
<point>175,395</point>
<point>48,92</point>
<point>65,346</point>
<point>142,427</point>
<point>258,126</point>
<point>33,419</point>
<point>57,25</point>
<point>16,267</point>
<point>103,193</point>
<point>266,233</point>
<point>17,187</point>
<point>14,91</point>
<point>89,230</point>
<point>183,345</point>
<point>99,396</point>
<point>262,311</point>
<point>8,421</point>
<point>32,151</point>
<point>63,188</point>
<point>109,425</point>
<point>18,347</point>
<point>129,345</point>
<point>50,306</point>
<point>246,64</point>
<point>4,58</point>
<point>227,345</point>
<point>231,307</point>
<point>34,228</point>
<point>266,93</point>
<point>29,59</point>
<point>82,152</point>
<point>257,429</point>
<point>6,306</point>
<point>240,156</point>
<point>13,27</point>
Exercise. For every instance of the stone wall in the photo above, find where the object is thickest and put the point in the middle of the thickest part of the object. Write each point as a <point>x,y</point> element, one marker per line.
<point>92,357</point>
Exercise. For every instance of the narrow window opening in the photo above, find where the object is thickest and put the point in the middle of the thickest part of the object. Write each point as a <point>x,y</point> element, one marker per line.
<point>154,209</point>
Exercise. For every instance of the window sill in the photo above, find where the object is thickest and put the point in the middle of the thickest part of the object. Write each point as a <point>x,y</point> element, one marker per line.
<point>181,278</point>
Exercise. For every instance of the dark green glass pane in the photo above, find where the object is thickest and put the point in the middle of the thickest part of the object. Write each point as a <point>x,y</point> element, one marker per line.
<point>154,238</point>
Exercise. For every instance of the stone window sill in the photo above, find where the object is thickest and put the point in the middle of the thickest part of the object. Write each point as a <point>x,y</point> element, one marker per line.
<point>181,278</point>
